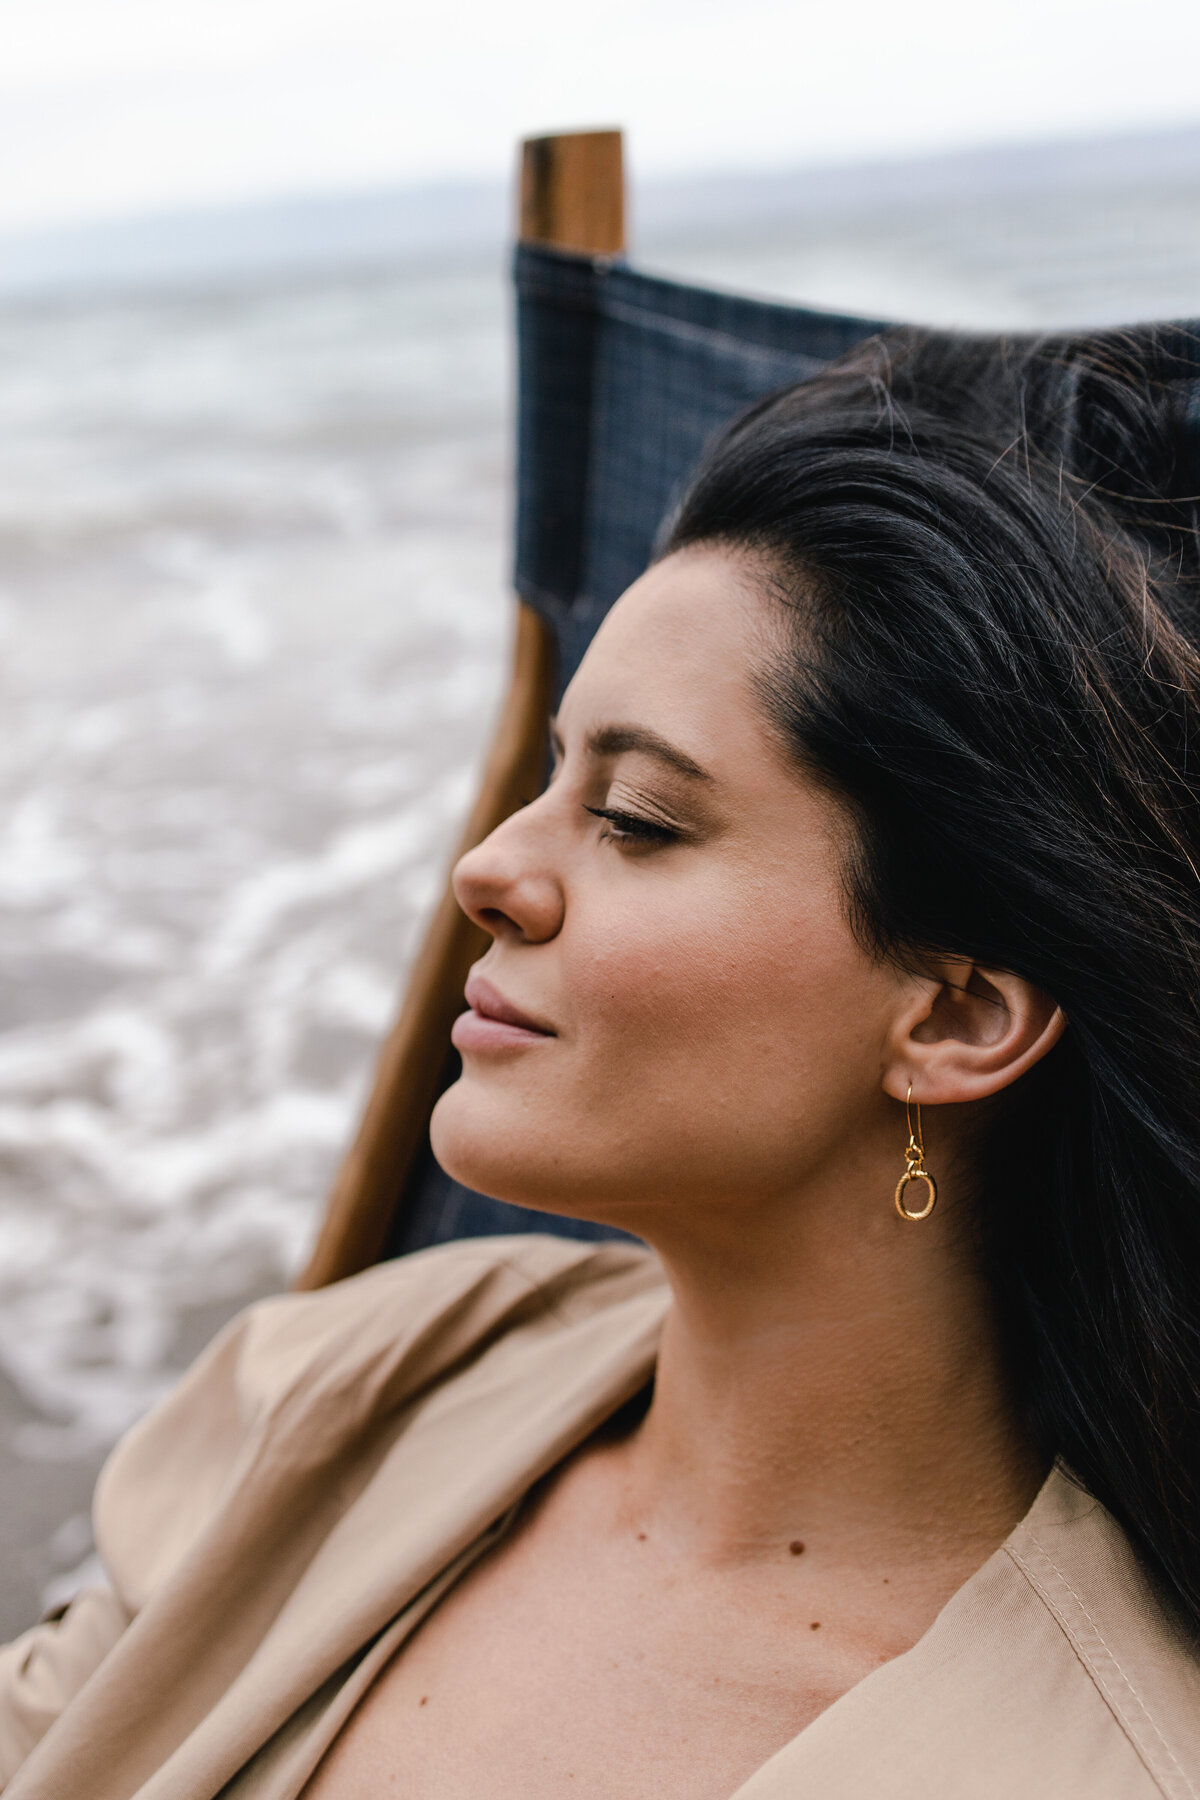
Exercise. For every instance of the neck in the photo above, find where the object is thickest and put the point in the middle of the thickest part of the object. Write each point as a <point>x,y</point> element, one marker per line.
<point>839,1381</point>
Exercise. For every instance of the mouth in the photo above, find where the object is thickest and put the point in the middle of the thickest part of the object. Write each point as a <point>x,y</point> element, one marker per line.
<point>493,1022</point>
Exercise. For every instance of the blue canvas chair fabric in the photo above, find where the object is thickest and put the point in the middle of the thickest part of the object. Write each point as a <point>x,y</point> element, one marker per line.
<point>623,379</point>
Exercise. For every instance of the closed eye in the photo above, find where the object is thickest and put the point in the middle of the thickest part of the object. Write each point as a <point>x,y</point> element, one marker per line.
<point>630,828</point>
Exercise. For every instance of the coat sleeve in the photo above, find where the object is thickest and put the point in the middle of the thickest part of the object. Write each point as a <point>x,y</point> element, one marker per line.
<point>151,1516</point>
<point>44,1670</point>
<point>156,1493</point>
<point>158,1490</point>
<point>144,1517</point>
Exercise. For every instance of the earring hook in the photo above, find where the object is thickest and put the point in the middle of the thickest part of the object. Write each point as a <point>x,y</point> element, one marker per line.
<point>916,1141</point>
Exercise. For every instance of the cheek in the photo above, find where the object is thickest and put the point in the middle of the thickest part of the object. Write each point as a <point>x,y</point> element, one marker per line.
<point>728,1003</point>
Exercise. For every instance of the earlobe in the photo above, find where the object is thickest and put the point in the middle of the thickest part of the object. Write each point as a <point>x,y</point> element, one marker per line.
<point>969,1032</point>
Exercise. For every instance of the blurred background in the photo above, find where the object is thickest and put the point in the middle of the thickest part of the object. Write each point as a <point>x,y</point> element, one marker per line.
<point>254,452</point>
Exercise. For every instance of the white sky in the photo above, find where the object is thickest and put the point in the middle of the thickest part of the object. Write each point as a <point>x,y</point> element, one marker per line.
<point>116,106</point>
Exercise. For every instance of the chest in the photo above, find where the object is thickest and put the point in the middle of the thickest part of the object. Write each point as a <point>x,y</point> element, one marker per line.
<point>549,1670</point>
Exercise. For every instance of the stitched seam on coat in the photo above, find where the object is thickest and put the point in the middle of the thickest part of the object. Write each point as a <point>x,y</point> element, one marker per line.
<point>1108,1651</point>
<point>1119,1712</point>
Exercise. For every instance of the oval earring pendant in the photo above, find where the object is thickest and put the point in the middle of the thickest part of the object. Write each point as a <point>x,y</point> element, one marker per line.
<point>931,1202</point>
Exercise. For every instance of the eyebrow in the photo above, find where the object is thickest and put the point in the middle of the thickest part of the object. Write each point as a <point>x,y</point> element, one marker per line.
<point>614,740</point>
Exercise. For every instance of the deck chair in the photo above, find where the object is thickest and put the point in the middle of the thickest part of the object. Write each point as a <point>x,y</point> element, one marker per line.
<point>622,379</point>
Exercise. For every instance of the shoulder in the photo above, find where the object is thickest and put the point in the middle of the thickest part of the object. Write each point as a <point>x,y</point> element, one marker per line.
<point>302,1378</point>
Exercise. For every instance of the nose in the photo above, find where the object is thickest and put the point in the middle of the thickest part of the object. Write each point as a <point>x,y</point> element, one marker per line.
<point>507,885</point>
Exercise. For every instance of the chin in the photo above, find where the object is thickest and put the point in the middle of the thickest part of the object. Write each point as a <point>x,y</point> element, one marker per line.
<point>479,1143</point>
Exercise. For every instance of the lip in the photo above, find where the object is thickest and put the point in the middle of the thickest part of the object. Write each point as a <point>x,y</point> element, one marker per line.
<point>493,1022</point>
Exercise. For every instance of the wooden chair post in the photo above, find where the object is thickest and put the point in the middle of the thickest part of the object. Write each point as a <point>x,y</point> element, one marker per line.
<point>573,192</point>
<point>572,196</point>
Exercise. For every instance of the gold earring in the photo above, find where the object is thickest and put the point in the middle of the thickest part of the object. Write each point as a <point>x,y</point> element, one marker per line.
<point>914,1166</point>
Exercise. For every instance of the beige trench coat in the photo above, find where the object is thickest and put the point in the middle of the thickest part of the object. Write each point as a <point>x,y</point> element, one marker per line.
<point>283,1521</point>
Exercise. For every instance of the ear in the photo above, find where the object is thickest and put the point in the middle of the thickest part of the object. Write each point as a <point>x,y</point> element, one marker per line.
<point>966,1032</point>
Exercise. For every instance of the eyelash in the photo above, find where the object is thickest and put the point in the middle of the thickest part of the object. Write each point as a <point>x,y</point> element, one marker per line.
<point>628,828</point>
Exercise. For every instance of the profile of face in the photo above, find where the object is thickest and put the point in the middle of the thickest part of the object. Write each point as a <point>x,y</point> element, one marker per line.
<point>675,1014</point>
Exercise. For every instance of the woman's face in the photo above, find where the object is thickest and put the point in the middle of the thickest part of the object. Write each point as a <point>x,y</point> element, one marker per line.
<point>669,916</point>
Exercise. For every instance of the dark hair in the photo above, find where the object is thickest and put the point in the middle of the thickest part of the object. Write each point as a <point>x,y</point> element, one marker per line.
<point>988,554</point>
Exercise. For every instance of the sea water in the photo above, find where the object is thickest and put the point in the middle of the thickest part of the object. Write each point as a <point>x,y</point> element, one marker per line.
<point>254,620</point>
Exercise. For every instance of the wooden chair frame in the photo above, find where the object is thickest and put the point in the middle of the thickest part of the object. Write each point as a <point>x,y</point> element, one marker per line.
<point>572,196</point>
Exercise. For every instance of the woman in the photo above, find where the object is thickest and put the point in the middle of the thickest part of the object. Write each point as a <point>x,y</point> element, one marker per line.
<point>852,961</point>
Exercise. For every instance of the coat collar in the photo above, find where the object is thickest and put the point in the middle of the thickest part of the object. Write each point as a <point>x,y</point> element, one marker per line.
<point>1053,1674</point>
